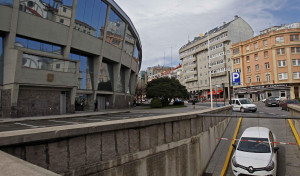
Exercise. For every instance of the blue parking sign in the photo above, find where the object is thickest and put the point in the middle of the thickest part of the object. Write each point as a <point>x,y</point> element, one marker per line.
<point>236,79</point>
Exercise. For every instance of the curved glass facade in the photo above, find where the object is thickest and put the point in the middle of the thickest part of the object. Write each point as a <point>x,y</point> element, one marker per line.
<point>57,11</point>
<point>84,79</point>
<point>115,30</point>
<point>37,45</point>
<point>7,2</point>
<point>105,81</point>
<point>90,17</point>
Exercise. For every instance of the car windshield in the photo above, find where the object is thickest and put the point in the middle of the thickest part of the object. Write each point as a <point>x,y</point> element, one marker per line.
<point>248,144</point>
<point>272,98</point>
<point>245,101</point>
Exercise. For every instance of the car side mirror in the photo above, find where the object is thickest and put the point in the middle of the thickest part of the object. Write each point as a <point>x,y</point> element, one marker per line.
<point>234,146</point>
<point>276,149</point>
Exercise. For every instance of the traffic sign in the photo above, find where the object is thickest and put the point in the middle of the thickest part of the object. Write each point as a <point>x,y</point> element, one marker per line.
<point>236,79</point>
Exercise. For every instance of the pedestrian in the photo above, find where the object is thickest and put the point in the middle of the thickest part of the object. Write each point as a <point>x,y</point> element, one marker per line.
<point>96,106</point>
<point>107,104</point>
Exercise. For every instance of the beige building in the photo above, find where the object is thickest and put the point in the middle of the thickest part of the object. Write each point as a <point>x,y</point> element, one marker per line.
<point>269,63</point>
<point>210,53</point>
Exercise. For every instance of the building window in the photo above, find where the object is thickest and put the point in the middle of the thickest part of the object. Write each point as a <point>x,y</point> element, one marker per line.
<point>296,62</point>
<point>257,67</point>
<point>236,51</point>
<point>266,54</point>
<point>61,21</point>
<point>237,70</point>
<point>249,69</point>
<point>280,51</point>
<point>257,78</point>
<point>282,76</point>
<point>57,66</point>
<point>249,79</point>
<point>256,56</point>
<point>248,59</point>
<point>267,65</point>
<point>295,50</point>
<point>296,75</point>
<point>294,37</point>
<point>247,48</point>
<point>265,42</point>
<point>84,71</point>
<point>268,77</point>
<point>281,63</point>
<point>279,39</point>
<point>236,61</point>
<point>255,45</point>
<point>282,93</point>
<point>64,9</point>
<point>37,45</point>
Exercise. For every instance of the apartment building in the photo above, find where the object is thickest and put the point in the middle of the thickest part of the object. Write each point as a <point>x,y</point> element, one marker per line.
<point>269,63</point>
<point>210,53</point>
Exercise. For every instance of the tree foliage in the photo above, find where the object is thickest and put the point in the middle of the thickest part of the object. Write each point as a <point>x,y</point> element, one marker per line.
<point>166,89</point>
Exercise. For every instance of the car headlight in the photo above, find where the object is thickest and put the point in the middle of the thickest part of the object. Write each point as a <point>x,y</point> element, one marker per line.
<point>270,166</point>
<point>234,161</point>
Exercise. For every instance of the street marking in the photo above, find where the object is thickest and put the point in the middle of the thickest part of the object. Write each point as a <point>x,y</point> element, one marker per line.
<point>231,148</point>
<point>284,143</point>
<point>32,126</point>
<point>294,132</point>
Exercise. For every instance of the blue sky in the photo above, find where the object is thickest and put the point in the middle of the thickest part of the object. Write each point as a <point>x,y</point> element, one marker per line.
<point>166,24</point>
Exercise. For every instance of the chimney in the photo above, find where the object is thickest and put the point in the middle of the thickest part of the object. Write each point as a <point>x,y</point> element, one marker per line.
<point>236,17</point>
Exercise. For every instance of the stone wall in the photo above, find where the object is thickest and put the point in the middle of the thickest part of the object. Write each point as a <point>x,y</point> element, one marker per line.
<point>39,101</point>
<point>176,144</point>
<point>295,112</point>
<point>5,102</point>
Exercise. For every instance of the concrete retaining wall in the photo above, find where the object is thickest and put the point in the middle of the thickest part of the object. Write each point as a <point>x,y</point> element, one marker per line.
<point>176,144</point>
<point>295,112</point>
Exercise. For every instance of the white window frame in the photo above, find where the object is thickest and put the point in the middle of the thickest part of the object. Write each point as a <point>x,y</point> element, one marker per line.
<point>249,79</point>
<point>296,50</point>
<point>256,56</point>
<point>281,51</point>
<point>266,55</point>
<point>247,48</point>
<point>268,77</point>
<point>294,37</point>
<point>267,65</point>
<point>257,78</point>
<point>296,75</point>
<point>282,76</point>
<point>255,45</point>
<point>265,42</point>
<point>282,63</point>
<point>257,67</point>
<point>296,62</point>
<point>279,39</point>
<point>249,69</point>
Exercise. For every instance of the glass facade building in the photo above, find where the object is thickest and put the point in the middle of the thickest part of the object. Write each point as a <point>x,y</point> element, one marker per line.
<point>81,54</point>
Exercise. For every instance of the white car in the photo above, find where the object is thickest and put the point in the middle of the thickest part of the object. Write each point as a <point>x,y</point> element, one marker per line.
<point>243,105</point>
<point>255,153</point>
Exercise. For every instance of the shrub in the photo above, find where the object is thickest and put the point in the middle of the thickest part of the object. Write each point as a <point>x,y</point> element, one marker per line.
<point>156,103</point>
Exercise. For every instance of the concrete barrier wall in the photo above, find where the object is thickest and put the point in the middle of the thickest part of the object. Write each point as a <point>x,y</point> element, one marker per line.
<point>295,112</point>
<point>176,144</point>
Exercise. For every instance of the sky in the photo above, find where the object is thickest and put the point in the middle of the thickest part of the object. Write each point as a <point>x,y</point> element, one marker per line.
<point>166,25</point>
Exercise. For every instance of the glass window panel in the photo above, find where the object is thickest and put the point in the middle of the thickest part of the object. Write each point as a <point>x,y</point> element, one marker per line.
<point>54,10</point>
<point>84,80</point>
<point>136,54</point>
<point>36,45</point>
<point>7,2</point>
<point>105,81</point>
<point>115,30</point>
<point>90,17</point>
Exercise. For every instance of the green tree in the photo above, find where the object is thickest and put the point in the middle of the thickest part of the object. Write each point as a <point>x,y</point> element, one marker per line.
<point>166,89</point>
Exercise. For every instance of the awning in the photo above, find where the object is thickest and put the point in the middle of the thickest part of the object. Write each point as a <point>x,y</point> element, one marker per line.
<point>220,91</point>
<point>213,92</point>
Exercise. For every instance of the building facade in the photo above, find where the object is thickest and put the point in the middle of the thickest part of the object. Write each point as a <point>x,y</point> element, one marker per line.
<point>60,56</point>
<point>210,53</point>
<point>269,64</point>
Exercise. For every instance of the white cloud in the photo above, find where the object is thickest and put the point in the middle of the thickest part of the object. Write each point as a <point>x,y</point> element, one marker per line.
<point>163,24</point>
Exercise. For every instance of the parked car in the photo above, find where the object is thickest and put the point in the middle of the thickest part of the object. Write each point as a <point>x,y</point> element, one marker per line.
<point>272,101</point>
<point>255,153</point>
<point>243,105</point>
<point>284,104</point>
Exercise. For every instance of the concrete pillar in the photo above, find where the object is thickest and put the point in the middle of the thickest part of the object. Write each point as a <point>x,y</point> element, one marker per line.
<point>67,48</point>
<point>289,65</point>
<point>127,80</point>
<point>292,91</point>
<point>275,66</point>
<point>133,79</point>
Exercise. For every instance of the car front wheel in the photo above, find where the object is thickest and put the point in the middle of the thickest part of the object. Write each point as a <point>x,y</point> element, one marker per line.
<point>242,110</point>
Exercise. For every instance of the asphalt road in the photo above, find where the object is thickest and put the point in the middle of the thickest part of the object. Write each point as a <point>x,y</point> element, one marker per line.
<point>288,155</point>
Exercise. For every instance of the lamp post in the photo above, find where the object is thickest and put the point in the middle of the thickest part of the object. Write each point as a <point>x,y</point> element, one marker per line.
<point>209,67</point>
